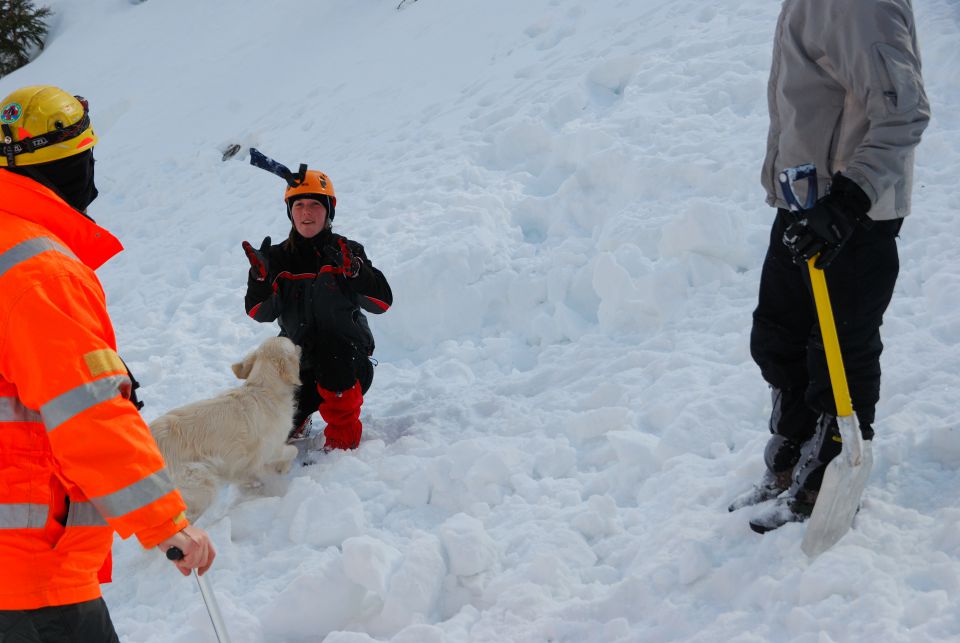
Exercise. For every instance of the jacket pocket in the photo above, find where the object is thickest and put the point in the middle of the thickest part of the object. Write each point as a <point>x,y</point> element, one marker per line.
<point>835,160</point>
<point>367,344</point>
<point>57,511</point>
<point>901,91</point>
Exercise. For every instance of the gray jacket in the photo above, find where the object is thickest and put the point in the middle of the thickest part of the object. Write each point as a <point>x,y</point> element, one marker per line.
<point>845,93</point>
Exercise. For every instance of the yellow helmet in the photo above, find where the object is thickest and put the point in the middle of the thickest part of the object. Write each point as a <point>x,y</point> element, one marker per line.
<point>42,123</point>
<point>314,183</point>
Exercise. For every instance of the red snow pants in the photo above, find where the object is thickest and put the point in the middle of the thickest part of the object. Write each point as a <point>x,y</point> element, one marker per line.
<point>341,412</point>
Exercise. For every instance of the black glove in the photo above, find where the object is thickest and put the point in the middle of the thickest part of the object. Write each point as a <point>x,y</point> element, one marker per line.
<point>826,227</point>
<point>347,263</point>
<point>259,267</point>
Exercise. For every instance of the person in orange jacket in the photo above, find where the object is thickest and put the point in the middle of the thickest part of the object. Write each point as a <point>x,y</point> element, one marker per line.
<point>77,462</point>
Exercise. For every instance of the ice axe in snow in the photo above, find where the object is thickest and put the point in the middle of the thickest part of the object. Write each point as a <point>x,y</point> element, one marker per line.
<point>209,600</point>
<point>846,475</point>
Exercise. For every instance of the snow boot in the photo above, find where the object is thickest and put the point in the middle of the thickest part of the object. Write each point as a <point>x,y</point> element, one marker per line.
<point>341,411</point>
<point>780,455</point>
<point>770,486</point>
<point>817,454</point>
<point>787,509</point>
<point>301,432</point>
<point>797,504</point>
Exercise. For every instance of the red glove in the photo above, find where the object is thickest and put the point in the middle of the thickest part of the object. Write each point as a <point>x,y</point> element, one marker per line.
<point>258,259</point>
<point>344,261</point>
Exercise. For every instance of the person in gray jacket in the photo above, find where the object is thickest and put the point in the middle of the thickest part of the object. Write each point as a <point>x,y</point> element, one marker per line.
<point>845,93</point>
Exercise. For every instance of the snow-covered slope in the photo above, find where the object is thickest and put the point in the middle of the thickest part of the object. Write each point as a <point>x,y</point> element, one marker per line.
<point>564,195</point>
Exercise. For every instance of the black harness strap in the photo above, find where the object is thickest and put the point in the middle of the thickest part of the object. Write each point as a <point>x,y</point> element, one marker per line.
<point>8,145</point>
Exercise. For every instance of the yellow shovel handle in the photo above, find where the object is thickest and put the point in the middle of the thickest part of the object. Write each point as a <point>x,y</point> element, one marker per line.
<point>831,345</point>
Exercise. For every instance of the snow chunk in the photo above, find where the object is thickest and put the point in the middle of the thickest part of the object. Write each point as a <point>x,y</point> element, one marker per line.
<point>468,546</point>
<point>323,518</point>
<point>556,459</point>
<point>596,423</point>
<point>321,599</point>
<point>414,590</point>
<point>349,637</point>
<point>600,518</point>
<point>368,562</point>
<point>636,450</point>
<point>694,563</point>
<point>420,633</point>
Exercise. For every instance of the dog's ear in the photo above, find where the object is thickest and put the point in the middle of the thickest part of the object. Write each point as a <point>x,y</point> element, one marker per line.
<point>288,368</point>
<point>242,369</point>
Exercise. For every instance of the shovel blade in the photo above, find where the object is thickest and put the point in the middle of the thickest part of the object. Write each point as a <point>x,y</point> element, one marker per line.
<point>837,502</point>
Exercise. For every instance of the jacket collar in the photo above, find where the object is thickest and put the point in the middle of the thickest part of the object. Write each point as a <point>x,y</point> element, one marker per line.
<point>29,200</point>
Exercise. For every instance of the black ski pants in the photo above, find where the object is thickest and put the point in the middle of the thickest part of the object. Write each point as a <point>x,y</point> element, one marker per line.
<point>87,622</point>
<point>786,343</point>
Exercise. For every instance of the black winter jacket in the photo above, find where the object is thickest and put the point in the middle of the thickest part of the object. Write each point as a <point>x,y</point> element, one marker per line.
<point>318,308</point>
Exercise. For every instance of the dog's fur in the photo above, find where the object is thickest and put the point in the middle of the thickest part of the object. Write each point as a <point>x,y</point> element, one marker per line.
<point>237,436</point>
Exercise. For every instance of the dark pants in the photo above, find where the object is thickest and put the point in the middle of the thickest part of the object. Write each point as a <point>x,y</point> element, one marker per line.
<point>786,342</point>
<point>87,622</point>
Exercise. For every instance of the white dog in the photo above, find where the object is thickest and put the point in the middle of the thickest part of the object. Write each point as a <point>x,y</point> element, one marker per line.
<point>237,436</point>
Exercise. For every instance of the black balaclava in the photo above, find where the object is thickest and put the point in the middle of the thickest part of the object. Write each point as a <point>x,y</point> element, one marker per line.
<point>70,177</point>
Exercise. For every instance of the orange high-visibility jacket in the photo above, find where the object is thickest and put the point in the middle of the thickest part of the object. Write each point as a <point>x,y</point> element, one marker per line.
<point>77,462</point>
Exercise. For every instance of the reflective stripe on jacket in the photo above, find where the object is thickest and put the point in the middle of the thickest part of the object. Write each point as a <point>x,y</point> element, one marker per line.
<point>845,93</point>
<point>77,462</point>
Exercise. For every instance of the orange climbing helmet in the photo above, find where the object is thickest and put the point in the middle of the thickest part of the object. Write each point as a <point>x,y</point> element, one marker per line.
<point>314,184</point>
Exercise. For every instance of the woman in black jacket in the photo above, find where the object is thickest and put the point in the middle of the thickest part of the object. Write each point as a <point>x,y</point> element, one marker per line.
<point>317,284</point>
